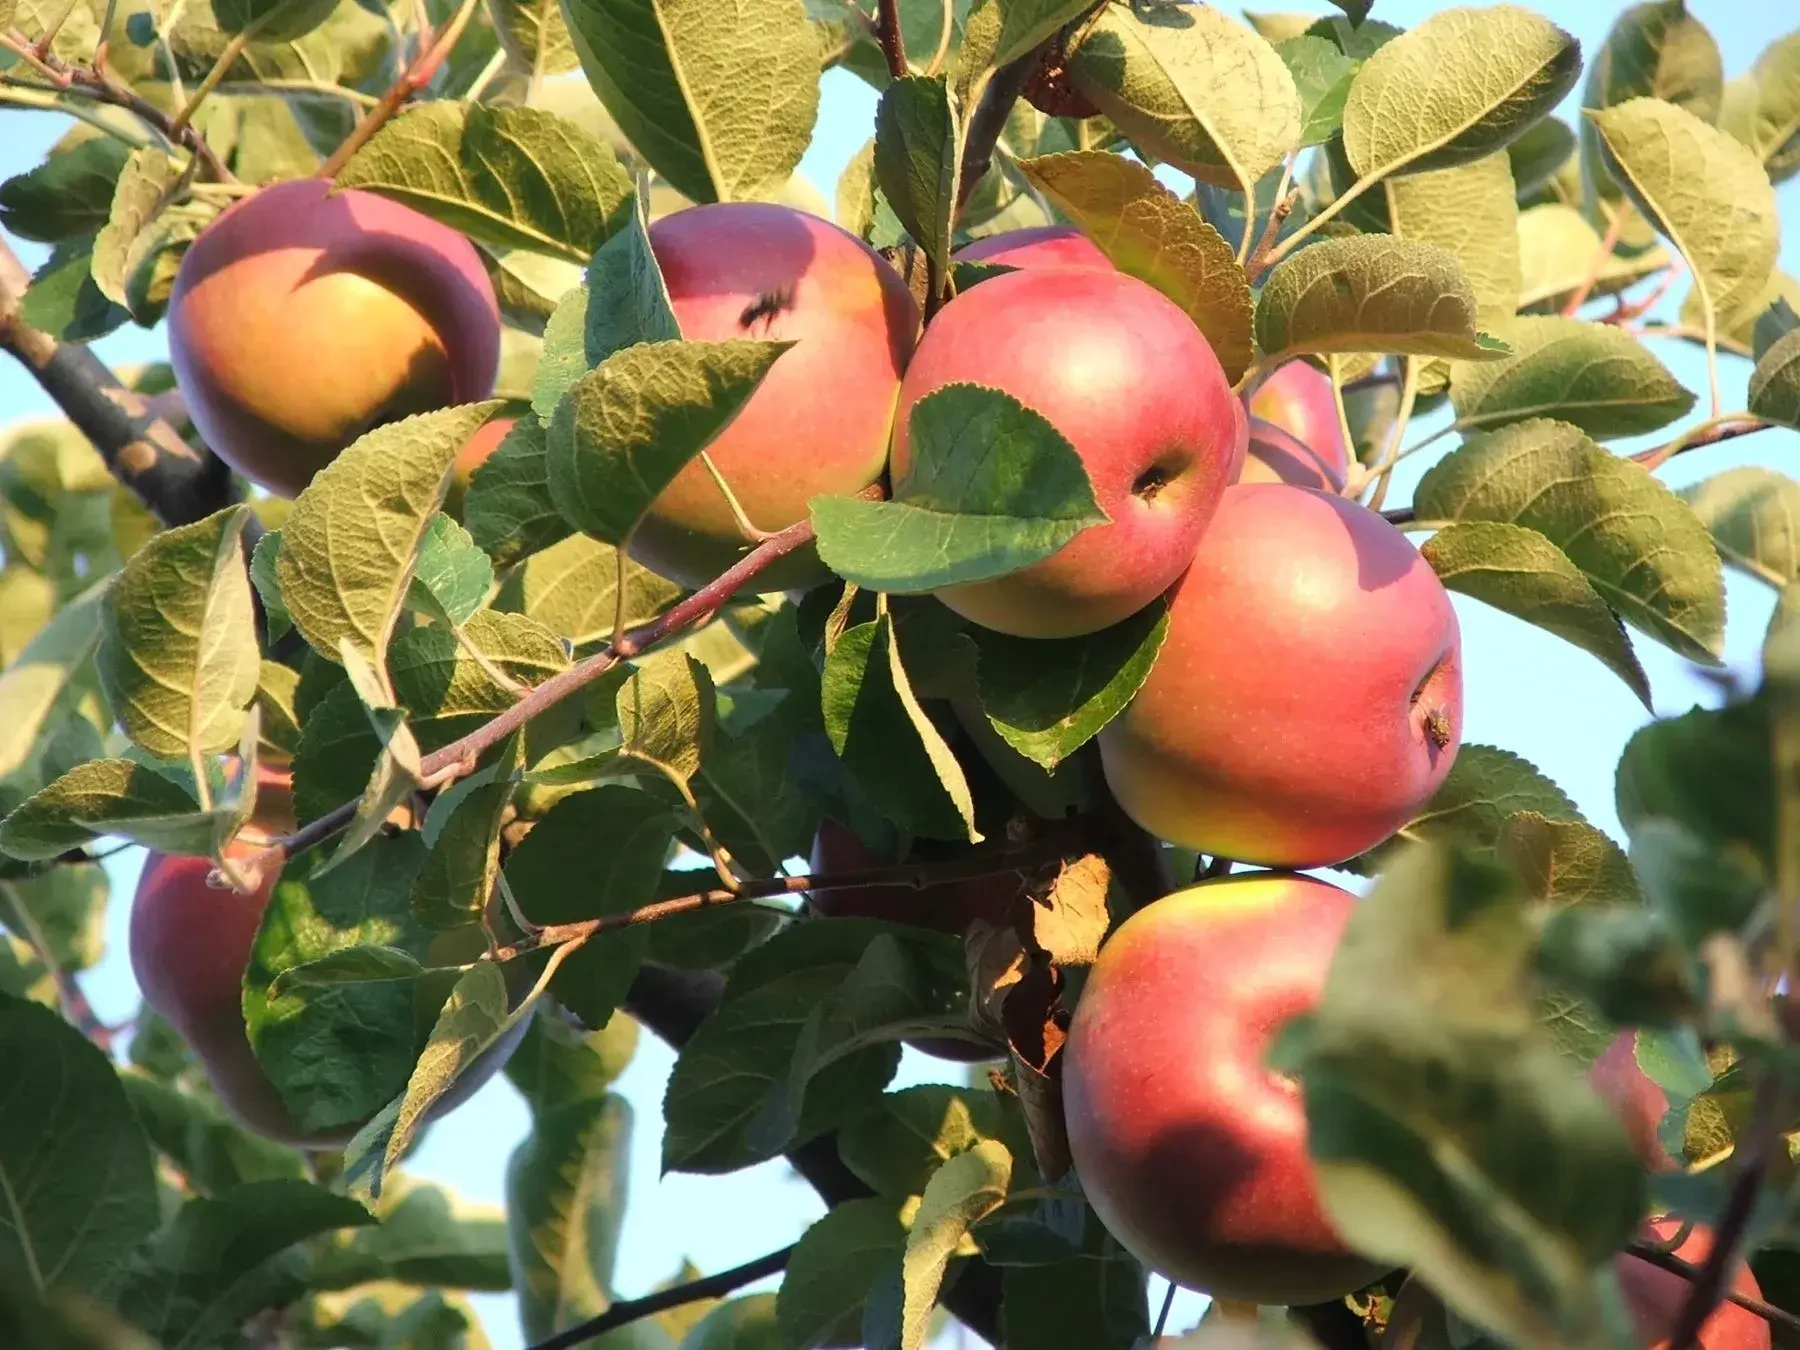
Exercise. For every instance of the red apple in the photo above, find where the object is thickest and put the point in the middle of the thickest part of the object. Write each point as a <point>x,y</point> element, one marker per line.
<point>1655,1296</point>
<point>1634,1097</point>
<point>1295,434</point>
<point>820,421</point>
<point>947,907</point>
<point>1125,376</point>
<point>1041,247</point>
<point>1308,698</point>
<point>1190,1148</point>
<point>301,319</point>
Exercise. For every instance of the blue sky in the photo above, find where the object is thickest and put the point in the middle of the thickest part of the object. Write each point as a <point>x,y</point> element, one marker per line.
<point>1525,691</point>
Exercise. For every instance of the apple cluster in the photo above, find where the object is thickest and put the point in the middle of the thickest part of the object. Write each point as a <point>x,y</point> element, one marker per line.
<point>1305,704</point>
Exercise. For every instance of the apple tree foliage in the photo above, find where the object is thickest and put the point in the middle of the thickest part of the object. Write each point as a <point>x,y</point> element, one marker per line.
<point>1398,206</point>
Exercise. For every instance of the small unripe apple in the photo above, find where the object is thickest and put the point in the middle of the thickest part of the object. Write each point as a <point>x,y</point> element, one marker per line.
<point>1189,1146</point>
<point>1042,246</point>
<point>1307,700</point>
<point>302,318</point>
<point>1132,385</point>
<point>1655,1296</point>
<point>819,422</point>
<point>945,906</point>
<point>1295,434</point>
<point>472,456</point>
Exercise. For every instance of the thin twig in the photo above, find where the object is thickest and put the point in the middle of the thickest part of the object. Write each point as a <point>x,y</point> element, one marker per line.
<point>1726,428</point>
<point>177,483</point>
<point>892,40</point>
<point>1714,1275</point>
<point>635,1310</point>
<point>981,861</point>
<point>99,85</point>
<point>459,757</point>
<point>1251,259</point>
<point>1666,1260</point>
<point>414,78</point>
<point>1601,254</point>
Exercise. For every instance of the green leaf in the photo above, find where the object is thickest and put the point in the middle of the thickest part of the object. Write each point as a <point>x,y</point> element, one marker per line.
<point>268,588</point>
<point>1322,76</point>
<point>350,545</point>
<point>962,1192</point>
<point>1517,570</point>
<point>1754,517</point>
<point>1761,108</point>
<point>510,177</point>
<point>33,685</point>
<point>535,36</point>
<point>63,300</point>
<point>1641,547</point>
<point>1463,84</point>
<point>68,196</point>
<point>1371,293</point>
<point>223,1259</point>
<point>1594,375</point>
<point>1775,383</point>
<point>428,1236</point>
<point>113,796</point>
<point>1655,50</point>
<point>1708,771</point>
<point>997,32</point>
<point>836,1261</point>
<point>992,488</point>
<point>453,577</point>
<point>625,429</point>
<point>62,912</point>
<point>615,839</point>
<point>508,509</point>
<point>1567,862</point>
<point>75,1164</point>
<point>720,99</point>
<point>1149,233</point>
<point>572,588</point>
<point>178,657</point>
<point>459,873</point>
<point>1192,87</point>
<point>917,144</point>
<point>337,1050</point>
<point>1471,212</point>
<point>1096,1302</point>
<point>666,713</point>
<point>746,1322</point>
<point>1483,790</point>
<point>449,692</point>
<point>1049,698</point>
<point>474,1019</point>
<point>144,189</point>
<point>1447,1132</point>
<point>627,300</point>
<point>886,739</point>
<point>557,1063</point>
<point>1556,256</point>
<point>1539,154</point>
<point>397,771</point>
<point>274,20</point>
<point>213,1153</point>
<point>896,1143</point>
<point>565,1202</point>
<point>1702,191</point>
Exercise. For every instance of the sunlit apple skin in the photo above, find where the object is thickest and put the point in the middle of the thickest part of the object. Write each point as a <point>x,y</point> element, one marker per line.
<point>1307,700</point>
<point>1655,1295</point>
<point>472,456</point>
<point>1129,381</point>
<point>300,320</point>
<point>1189,1147</point>
<point>1041,247</point>
<point>947,907</point>
<point>1634,1097</point>
<point>819,423</point>
<point>1295,434</point>
<point>190,943</point>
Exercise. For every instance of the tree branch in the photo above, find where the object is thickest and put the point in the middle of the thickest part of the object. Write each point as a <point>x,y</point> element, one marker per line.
<point>414,78</point>
<point>635,1310</point>
<point>177,483</point>
<point>460,756</point>
<point>1662,1260</point>
<point>101,87</point>
<point>1727,428</point>
<point>989,120</point>
<point>981,861</point>
<point>892,40</point>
